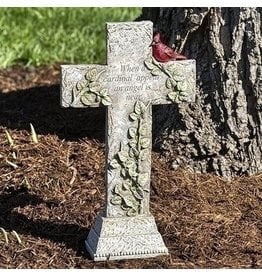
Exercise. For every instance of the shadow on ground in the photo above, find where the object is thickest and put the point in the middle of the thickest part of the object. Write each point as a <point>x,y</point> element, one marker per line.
<point>41,107</point>
<point>72,235</point>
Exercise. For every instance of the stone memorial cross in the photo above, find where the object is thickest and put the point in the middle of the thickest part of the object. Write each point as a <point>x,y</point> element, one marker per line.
<point>130,83</point>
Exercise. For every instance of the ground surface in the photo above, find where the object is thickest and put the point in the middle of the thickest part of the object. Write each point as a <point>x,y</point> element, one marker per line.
<point>52,196</point>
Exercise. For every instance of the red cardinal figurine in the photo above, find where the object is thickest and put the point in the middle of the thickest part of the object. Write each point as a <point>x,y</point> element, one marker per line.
<point>162,52</point>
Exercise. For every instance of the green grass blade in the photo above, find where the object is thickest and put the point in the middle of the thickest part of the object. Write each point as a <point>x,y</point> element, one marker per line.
<point>9,138</point>
<point>5,234</point>
<point>33,134</point>
<point>14,233</point>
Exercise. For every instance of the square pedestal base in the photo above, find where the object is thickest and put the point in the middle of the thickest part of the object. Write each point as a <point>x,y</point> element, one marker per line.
<point>124,238</point>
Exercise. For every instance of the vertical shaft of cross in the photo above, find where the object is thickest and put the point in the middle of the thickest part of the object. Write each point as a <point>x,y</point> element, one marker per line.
<point>128,143</point>
<point>128,162</point>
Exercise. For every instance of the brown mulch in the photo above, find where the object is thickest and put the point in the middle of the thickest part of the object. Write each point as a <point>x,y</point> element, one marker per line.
<point>52,197</point>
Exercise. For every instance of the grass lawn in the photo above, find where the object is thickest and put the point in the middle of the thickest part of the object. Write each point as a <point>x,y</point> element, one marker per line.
<point>36,36</point>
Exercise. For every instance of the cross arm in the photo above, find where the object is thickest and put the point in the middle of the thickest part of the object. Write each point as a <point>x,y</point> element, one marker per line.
<point>81,86</point>
<point>174,81</point>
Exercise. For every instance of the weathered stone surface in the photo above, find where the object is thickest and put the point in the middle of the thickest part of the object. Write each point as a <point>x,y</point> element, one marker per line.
<point>130,83</point>
<point>125,238</point>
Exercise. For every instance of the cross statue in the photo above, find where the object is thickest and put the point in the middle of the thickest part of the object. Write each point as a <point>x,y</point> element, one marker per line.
<point>130,83</point>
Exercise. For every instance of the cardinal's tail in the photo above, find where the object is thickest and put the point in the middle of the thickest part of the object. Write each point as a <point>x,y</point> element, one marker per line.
<point>180,57</point>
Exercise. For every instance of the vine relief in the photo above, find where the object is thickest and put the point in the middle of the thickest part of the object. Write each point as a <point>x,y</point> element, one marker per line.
<point>176,81</point>
<point>128,163</point>
<point>91,90</point>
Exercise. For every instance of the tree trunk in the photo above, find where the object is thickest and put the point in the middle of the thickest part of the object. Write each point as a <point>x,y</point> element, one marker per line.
<point>222,131</point>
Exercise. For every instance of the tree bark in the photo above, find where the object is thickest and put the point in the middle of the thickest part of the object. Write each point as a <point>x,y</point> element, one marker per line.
<point>222,132</point>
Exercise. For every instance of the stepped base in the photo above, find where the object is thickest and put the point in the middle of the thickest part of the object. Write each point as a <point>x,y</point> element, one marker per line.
<point>124,238</point>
